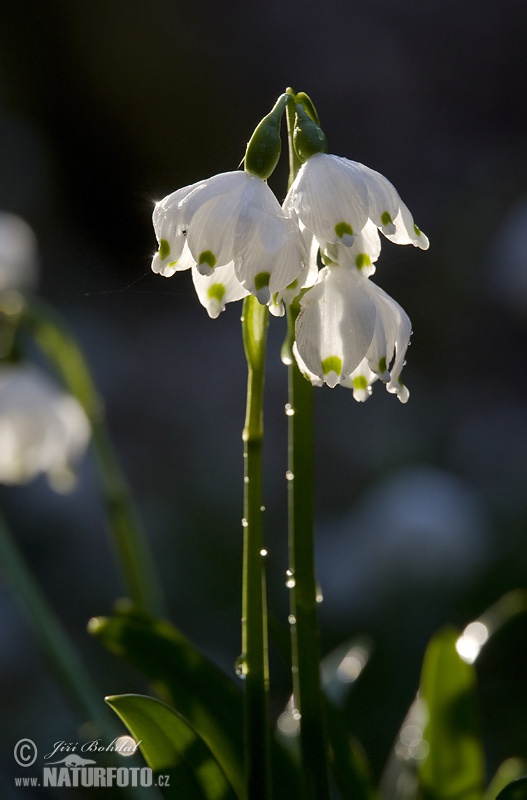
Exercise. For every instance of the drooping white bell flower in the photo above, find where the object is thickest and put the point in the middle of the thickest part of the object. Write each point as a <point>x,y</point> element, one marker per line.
<point>219,288</point>
<point>349,331</point>
<point>335,197</point>
<point>231,217</point>
<point>18,254</point>
<point>42,428</point>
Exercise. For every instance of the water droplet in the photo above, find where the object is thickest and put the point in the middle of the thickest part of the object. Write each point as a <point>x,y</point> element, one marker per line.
<point>240,666</point>
<point>245,524</point>
<point>290,572</point>
<point>289,410</point>
<point>291,619</point>
<point>295,713</point>
<point>263,553</point>
<point>319,596</point>
<point>289,475</point>
<point>246,479</point>
<point>290,583</point>
<point>262,508</point>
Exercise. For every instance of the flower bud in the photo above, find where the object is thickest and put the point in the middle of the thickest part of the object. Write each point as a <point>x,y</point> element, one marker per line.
<point>308,138</point>
<point>263,150</point>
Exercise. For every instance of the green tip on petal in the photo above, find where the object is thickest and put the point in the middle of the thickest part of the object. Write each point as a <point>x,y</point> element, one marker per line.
<point>206,262</point>
<point>360,382</point>
<point>261,287</point>
<point>417,230</point>
<point>261,280</point>
<point>216,292</point>
<point>387,223</point>
<point>164,249</point>
<point>344,231</point>
<point>332,368</point>
<point>363,260</point>
<point>382,369</point>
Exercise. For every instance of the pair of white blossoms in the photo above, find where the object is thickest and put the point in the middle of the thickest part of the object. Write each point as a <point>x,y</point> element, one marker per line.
<point>232,232</point>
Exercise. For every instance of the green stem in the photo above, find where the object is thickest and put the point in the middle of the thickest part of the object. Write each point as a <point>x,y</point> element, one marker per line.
<point>303,599</point>
<point>56,342</point>
<point>53,640</point>
<point>254,659</point>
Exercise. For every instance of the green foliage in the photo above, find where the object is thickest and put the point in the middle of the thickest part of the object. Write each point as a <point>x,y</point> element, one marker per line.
<point>182,763</point>
<point>517,790</point>
<point>184,679</point>
<point>203,695</point>
<point>454,766</point>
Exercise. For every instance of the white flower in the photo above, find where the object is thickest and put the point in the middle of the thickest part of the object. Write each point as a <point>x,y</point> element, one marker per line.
<point>334,198</point>
<point>42,429</point>
<point>230,219</point>
<point>350,331</point>
<point>18,254</point>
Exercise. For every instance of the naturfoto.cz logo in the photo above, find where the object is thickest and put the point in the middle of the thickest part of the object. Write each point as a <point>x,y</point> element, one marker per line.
<point>75,770</point>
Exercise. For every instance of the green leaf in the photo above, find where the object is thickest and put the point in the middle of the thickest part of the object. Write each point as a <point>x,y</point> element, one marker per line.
<point>182,764</point>
<point>509,771</point>
<point>203,694</point>
<point>348,763</point>
<point>184,679</point>
<point>517,790</point>
<point>453,768</point>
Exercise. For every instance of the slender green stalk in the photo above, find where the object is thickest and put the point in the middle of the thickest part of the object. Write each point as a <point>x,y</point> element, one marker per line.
<point>57,343</point>
<point>304,625</point>
<point>53,640</point>
<point>253,665</point>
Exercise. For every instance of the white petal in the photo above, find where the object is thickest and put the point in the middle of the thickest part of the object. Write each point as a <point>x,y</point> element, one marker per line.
<point>212,228</point>
<point>315,380</point>
<point>406,232</point>
<point>362,254</point>
<point>384,200</point>
<point>216,290</point>
<point>390,341</point>
<point>360,381</point>
<point>335,325</point>
<point>329,196</point>
<point>269,250</point>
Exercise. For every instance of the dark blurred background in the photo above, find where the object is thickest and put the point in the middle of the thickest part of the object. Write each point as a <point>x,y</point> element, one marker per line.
<point>109,105</point>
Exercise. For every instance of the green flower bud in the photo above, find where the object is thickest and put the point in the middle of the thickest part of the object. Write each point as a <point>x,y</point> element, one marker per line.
<point>309,107</point>
<point>263,150</point>
<point>308,138</point>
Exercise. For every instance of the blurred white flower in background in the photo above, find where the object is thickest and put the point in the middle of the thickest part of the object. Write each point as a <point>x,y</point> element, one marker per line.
<point>43,430</point>
<point>18,254</point>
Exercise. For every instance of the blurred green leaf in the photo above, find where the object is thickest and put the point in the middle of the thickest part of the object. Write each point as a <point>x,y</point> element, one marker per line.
<point>517,790</point>
<point>203,694</point>
<point>454,767</point>
<point>186,680</point>
<point>183,765</point>
<point>348,763</point>
<point>509,771</point>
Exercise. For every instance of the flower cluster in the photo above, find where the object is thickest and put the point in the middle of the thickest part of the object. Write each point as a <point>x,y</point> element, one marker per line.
<point>231,231</point>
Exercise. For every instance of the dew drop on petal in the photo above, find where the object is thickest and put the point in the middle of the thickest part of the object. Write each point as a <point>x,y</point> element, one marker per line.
<point>289,476</point>
<point>245,524</point>
<point>289,410</point>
